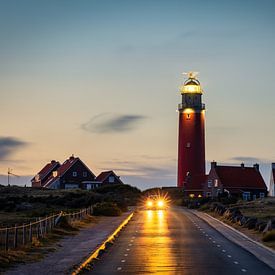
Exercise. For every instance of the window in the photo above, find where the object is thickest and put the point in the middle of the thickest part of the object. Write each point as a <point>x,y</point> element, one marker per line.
<point>74,174</point>
<point>188,116</point>
<point>209,183</point>
<point>111,179</point>
<point>262,195</point>
<point>188,145</point>
<point>208,194</point>
<point>254,197</point>
<point>84,174</point>
<point>216,183</point>
<point>246,196</point>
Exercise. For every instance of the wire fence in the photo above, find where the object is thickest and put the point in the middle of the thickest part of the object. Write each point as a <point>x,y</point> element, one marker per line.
<point>21,235</point>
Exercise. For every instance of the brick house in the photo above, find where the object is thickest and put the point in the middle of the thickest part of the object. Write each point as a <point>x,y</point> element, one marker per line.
<point>271,192</point>
<point>73,173</point>
<point>241,181</point>
<point>108,177</point>
<point>40,179</point>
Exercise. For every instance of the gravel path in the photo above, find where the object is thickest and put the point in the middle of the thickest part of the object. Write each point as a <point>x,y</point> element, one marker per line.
<point>72,249</point>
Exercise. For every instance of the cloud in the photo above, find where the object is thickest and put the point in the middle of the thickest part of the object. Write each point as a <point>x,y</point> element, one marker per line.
<point>9,145</point>
<point>246,159</point>
<point>113,123</point>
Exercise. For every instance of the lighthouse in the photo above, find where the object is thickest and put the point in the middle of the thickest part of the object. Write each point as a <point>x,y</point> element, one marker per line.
<point>191,139</point>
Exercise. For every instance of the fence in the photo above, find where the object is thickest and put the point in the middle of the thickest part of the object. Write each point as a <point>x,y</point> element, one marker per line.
<point>13,237</point>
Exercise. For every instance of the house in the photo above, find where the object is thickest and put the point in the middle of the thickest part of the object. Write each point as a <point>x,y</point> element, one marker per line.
<point>43,176</point>
<point>193,185</point>
<point>241,181</point>
<point>73,173</point>
<point>108,177</point>
<point>271,191</point>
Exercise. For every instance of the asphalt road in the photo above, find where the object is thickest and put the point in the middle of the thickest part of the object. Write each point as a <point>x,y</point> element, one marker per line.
<point>175,241</point>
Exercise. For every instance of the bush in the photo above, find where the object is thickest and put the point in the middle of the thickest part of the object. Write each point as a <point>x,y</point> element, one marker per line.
<point>269,236</point>
<point>106,209</point>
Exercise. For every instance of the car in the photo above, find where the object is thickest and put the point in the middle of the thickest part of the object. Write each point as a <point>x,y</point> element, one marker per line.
<point>155,202</point>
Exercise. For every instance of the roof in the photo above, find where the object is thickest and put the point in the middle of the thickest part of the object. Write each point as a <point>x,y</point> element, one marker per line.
<point>104,175</point>
<point>240,177</point>
<point>67,164</point>
<point>195,182</point>
<point>47,169</point>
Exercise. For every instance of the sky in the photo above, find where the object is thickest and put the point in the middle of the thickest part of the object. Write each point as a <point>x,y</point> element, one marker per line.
<point>100,80</point>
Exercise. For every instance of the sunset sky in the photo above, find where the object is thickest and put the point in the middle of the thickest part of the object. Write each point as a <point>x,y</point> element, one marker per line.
<point>100,80</point>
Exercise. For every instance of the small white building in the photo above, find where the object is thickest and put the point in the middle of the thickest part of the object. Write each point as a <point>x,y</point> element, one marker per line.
<point>271,192</point>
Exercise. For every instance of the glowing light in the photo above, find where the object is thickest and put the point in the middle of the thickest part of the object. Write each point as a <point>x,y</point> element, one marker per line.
<point>149,203</point>
<point>160,203</point>
<point>199,196</point>
<point>191,195</point>
<point>193,89</point>
<point>188,111</point>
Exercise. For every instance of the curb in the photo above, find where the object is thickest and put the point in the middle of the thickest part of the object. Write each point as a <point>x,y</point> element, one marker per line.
<point>268,250</point>
<point>94,255</point>
<point>242,234</point>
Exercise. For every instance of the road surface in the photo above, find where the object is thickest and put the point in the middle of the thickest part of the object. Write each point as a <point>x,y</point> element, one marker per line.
<point>175,241</point>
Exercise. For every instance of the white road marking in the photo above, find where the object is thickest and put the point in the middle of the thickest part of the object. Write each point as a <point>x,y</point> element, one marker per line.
<point>236,262</point>
<point>214,241</point>
<point>130,244</point>
<point>243,270</point>
<point>218,245</point>
<point>119,268</point>
<point>210,238</point>
<point>229,256</point>
<point>223,251</point>
<point>125,255</point>
<point>132,240</point>
<point>123,261</point>
<point>128,249</point>
<point>206,235</point>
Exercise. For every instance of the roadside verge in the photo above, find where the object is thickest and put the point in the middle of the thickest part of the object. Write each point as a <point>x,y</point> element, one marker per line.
<point>94,255</point>
<point>263,253</point>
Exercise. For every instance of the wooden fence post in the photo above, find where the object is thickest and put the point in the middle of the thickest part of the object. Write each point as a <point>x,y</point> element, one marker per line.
<point>24,234</point>
<point>7,239</point>
<point>15,236</point>
<point>30,232</point>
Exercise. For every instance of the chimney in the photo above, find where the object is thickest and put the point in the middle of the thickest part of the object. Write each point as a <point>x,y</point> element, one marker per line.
<point>72,157</point>
<point>273,165</point>
<point>242,165</point>
<point>213,164</point>
<point>53,161</point>
<point>257,167</point>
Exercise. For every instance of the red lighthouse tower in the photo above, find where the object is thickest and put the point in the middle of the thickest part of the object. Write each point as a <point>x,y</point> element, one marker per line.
<point>191,143</point>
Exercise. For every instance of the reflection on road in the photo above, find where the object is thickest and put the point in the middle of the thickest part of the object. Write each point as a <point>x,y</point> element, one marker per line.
<point>156,242</point>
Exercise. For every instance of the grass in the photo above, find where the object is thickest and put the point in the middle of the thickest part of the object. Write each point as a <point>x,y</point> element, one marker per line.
<point>262,209</point>
<point>39,248</point>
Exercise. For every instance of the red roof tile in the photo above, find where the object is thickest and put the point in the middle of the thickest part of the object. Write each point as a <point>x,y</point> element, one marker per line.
<point>240,177</point>
<point>47,169</point>
<point>103,175</point>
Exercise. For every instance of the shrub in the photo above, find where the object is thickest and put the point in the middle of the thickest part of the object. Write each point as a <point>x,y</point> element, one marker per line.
<point>269,236</point>
<point>106,209</point>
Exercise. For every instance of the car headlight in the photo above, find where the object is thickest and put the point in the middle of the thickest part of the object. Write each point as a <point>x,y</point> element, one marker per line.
<point>160,203</point>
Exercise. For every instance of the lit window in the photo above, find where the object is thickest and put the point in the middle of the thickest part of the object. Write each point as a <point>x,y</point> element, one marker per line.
<point>111,179</point>
<point>246,196</point>
<point>209,183</point>
<point>85,174</point>
<point>74,174</point>
<point>216,183</point>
